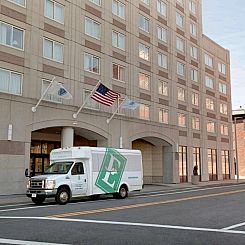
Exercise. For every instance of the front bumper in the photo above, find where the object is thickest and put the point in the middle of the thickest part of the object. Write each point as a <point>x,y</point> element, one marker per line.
<point>41,193</point>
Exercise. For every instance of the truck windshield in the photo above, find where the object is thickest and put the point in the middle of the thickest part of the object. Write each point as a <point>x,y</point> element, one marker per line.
<point>59,168</point>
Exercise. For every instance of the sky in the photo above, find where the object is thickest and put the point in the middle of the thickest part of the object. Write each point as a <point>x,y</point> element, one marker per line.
<point>223,22</point>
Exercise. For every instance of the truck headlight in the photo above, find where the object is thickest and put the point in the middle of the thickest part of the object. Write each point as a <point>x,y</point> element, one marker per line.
<point>49,184</point>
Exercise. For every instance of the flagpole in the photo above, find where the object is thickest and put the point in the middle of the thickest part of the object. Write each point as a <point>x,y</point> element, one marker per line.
<point>109,119</point>
<point>34,108</point>
<point>85,101</point>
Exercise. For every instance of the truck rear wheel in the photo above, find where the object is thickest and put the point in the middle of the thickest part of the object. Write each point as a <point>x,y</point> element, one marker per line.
<point>123,192</point>
<point>63,196</point>
<point>38,200</point>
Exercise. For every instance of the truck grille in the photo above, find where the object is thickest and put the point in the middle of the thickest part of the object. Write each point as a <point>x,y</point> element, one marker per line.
<point>37,184</point>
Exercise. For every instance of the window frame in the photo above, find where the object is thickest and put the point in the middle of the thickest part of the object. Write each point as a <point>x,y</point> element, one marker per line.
<point>93,22</point>
<point>118,72</point>
<point>145,28</point>
<point>145,83</point>
<point>146,54</point>
<point>161,115</point>
<point>93,57</point>
<point>118,35</point>
<point>14,2</point>
<point>53,42</point>
<point>145,108</point>
<point>54,5</point>
<point>117,5</point>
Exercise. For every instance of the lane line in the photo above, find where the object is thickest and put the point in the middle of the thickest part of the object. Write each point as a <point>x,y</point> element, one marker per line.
<point>234,226</point>
<point>14,205</point>
<point>23,242</point>
<point>176,227</point>
<point>147,204</point>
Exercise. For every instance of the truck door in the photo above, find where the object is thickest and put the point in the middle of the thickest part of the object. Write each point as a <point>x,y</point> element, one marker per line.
<point>79,181</point>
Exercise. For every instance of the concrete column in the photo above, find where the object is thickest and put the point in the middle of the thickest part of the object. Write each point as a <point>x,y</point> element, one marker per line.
<point>67,137</point>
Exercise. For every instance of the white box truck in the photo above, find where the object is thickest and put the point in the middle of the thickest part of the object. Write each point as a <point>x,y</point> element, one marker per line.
<point>87,171</point>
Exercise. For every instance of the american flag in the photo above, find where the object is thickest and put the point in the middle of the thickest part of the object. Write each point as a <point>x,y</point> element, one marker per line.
<point>105,95</point>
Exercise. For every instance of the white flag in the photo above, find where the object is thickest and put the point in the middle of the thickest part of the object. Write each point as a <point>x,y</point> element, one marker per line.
<point>129,104</point>
<point>58,90</point>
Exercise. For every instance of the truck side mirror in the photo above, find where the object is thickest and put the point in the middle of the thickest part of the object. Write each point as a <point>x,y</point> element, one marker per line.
<point>27,173</point>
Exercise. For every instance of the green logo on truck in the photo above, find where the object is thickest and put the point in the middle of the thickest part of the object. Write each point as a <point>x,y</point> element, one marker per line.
<point>111,171</point>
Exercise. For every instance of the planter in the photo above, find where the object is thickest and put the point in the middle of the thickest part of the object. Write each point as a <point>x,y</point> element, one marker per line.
<point>195,179</point>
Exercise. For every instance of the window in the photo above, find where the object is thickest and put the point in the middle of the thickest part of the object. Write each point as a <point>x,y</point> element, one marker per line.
<point>53,50</point>
<point>183,164</point>
<point>194,75</point>
<point>91,63</point>
<point>181,94</point>
<point>143,23</point>
<point>163,88</point>
<point>222,88</point>
<point>97,2</point>
<point>193,51</point>
<point>225,164</point>
<point>208,60</point>
<point>196,123</point>
<point>209,82</point>
<point>224,129</point>
<point>10,82</point>
<point>49,97</point>
<point>118,9</point>
<point>180,44</point>
<point>77,169</point>
<point>54,11</point>
<point>118,72</point>
<point>180,2</point>
<point>211,127</point>
<point>146,1</point>
<point>161,8</point>
<point>163,60</point>
<point>144,81</point>
<point>212,164</point>
<point>181,120</point>
<point>209,104</point>
<point>180,69</point>
<point>221,68</point>
<point>223,108</point>
<point>144,51</point>
<point>179,20</point>
<point>90,103</point>
<point>197,159</point>
<point>92,28</point>
<point>163,116</point>
<point>144,112</point>
<point>19,2</point>
<point>161,33</point>
<point>193,29</point>
<point>118,40</point>
<point>195,99</point>
<point>11,36</point>
<point>192,7</point>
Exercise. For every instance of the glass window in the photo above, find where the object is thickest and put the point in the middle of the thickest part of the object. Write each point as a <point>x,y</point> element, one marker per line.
<point>163,60</point>
<point>144,112</point>
<point>196,123</point>
<point>197,159</point>
<point>144,81</point>
<point>118,72</point>
<point>209,82</point>
<point>181,120</point>
<point>90,103</point>
<point>180,44</point>
<point>143,23</point>
<point>11,36</point>
<point>211,127</point>
<point>225,164</point>
<point>192,7</point>
<point>19,2</point>
<point>163,116</point>
<point>53,50</point>
<point>222,88</point>
<point>163,88</point>
<point>144,51</point>
<point>161,33</point>
<point>193,29</point>
<point>183,164</point>
<point>161,8</point>
<point>209,104</point>
<point>49,97</point>
<point>212,164</point>
<point>146,1</point>
<point>224,129</point>
<point>181,94</point>
<point>195,99</point>
<point>180,69</point>
<point>221,68</point>
<point>91,63</point>
<point>223,108</point>
<point>179,20</point>
<point>118,9</point>
<point>54,11</point>
<point>208,60</point>
<point>97,2</point>
<point>118,40</point>
<point>180,2</point>
<point>194,75</point>
<point>193,51</point>
<point>92,28</point>
<point>10,82</point>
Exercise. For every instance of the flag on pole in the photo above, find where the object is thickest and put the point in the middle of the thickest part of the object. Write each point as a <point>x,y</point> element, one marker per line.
<point>58,90</point>
<point>129,104</point>
<point>105,95</point>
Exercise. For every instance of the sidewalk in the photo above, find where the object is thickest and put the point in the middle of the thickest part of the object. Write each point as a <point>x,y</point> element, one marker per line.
<point>23,199</point>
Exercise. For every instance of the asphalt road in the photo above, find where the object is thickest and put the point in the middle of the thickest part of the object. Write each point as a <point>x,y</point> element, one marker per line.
<point>203,215</point>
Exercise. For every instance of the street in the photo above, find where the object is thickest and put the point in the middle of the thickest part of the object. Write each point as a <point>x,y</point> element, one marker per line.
<point>197,215</point>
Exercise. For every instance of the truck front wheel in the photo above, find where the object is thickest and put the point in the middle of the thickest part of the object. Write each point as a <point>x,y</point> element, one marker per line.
<point>62,196</point>
<point>38,200</point>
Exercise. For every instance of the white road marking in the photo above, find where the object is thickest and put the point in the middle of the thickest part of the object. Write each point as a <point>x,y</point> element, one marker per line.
<point>14,205</point>
<point>10,241</point>
<point>234,226</point>
<point>176,227</point>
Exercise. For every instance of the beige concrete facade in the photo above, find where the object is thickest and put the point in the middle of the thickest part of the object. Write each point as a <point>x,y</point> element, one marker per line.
<point>158,141</point>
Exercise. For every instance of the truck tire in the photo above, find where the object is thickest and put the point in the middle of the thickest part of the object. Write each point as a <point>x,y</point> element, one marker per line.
<point>63,196</point>
<point>123,192</point>
<point>38,200</point>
